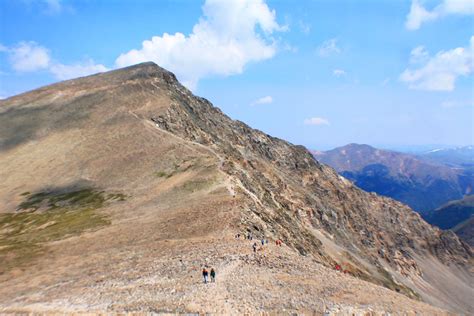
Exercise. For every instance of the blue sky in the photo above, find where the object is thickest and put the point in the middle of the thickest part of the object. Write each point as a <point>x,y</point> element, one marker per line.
<point>319,73</point>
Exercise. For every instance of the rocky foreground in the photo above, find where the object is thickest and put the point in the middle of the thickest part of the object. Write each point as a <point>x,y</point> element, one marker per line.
<point>118,188</point>
<point>166,278</point>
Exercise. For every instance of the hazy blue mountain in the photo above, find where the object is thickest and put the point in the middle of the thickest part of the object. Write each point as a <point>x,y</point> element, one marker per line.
<point>456,157</point>
<point>419,181</point>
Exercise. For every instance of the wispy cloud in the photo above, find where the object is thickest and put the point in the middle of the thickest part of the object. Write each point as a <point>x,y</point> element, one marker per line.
<point>328,48</point>
<point>439,73</point>
<point>419,14</point>
<point>229,35</point>
<point>419,55</point>
<point>316,121</point>
<point>338,73</point>
<point>263,100</point>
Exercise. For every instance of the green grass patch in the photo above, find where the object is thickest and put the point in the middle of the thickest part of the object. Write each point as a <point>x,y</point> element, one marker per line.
<point>49,216</point>
<point>161,174</point>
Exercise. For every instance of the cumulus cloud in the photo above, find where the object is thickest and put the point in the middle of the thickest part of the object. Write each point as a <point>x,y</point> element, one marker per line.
<point>88,67</point>
<point>263,100</point>
<point>229,35</point>
<point>316,121</point>
<point>28,56</point>
<point>439,73</point>
<point>338,73</point>
<point>328,48</point>
<point>419,14</point>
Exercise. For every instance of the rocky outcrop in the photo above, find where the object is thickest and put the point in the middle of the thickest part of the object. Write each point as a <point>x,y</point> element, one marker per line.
<point>291,196</point>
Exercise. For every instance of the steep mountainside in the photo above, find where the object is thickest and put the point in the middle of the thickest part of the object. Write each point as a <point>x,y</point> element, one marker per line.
<point>424,185</point>
<point>455,213</point>
<point>117,188</point>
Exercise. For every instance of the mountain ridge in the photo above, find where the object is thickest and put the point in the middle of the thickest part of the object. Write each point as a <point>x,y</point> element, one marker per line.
<point>175,142</point>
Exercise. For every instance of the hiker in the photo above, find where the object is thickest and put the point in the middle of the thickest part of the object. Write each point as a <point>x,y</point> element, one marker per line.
<point>337,267</point>
<point>205,274</point>
<point>263,241</point>
<point>254,247</point>
<point>213,275</point>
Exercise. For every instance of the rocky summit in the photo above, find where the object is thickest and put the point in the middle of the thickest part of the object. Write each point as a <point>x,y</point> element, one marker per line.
<point>119,188</point>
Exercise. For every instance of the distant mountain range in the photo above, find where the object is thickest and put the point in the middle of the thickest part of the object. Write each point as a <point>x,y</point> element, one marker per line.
<point>455,157</point>
<point>437,183</point>
<point>424,182</point>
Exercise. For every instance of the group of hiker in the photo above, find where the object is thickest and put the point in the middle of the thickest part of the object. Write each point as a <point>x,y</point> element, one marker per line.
<point>248,236</point>
<point>337,267</point>
<point>263,241</point>
<point>205,275</point>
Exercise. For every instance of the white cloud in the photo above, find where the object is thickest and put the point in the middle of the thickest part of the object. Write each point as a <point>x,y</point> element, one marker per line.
<point>263,100</point>
<point>338,73</point>
<point>229,35</point>
<point>419,15</point>
<point>28,56</point>
<point>439,73</point>
<point>88,67</point>
<point>328,48</point>
<point>316,121</point>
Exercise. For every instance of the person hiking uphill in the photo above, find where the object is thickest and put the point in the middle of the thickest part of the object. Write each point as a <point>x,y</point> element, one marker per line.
<point>205,274</point>
<point>213,275</point>
<point>254,247</point>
